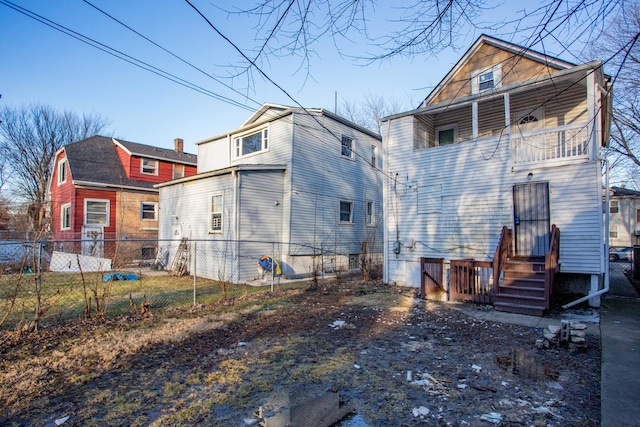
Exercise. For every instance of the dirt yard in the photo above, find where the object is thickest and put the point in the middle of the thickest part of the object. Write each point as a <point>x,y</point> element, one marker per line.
<point>400,360</point>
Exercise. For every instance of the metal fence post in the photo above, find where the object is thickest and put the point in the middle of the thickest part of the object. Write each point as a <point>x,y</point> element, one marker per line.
<point>195,256</point>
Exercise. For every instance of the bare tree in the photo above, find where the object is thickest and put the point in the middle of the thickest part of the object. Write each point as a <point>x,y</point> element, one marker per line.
<point>371,110</point>
<point>369,31</point>
<point>29,138</point>
<point>621,46</point>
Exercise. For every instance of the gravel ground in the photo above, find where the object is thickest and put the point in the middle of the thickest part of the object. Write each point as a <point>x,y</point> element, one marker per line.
<point>399,360</point>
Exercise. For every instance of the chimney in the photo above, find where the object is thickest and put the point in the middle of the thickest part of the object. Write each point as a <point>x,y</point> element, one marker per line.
<point>179,144</point>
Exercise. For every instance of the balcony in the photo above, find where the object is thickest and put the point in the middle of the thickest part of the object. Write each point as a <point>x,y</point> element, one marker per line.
<point>560,145</point>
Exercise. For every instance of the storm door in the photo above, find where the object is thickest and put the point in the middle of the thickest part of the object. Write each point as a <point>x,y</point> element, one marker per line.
<point>531,219</point>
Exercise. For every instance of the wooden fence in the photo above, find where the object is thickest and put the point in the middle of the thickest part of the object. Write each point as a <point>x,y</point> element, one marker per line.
<point>471,280</point>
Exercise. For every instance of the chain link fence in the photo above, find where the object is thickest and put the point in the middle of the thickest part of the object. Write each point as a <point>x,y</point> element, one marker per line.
<point>48,282</point>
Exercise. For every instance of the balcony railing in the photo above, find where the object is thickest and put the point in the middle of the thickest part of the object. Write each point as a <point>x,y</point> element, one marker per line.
<point>563,143</point>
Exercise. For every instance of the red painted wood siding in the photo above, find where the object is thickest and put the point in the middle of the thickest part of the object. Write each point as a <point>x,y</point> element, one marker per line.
<point>61,194</point>
<point>165,171</point>
<point>78,212</point>
<point>125,159</point>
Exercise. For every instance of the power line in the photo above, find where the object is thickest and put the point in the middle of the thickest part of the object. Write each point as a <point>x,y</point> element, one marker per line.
<point>123,56</point>
<point>172,54</point>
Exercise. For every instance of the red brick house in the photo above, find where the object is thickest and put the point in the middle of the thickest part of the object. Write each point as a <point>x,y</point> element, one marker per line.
<point>101,189</point>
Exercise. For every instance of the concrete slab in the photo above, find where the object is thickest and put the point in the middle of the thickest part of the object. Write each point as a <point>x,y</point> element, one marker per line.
<point>620,372</point>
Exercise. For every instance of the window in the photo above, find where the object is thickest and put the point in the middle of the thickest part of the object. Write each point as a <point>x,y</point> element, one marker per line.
<point>96,212</point>
<point>149,211</point>
<point>215,214</point>
<point>353,261</point>
<point>370,214</point>
<point>149,166</point>
<point>347,149</point>
<point>65,217</point>
<point>251,143</point>
<point>62,171</point>
<point>374,156</point>
<point>486,79</point>
<point>178,171</point>
<point>613,232</point>
<point>147,252</point>
<point>346,212</point>
<point>446,135</point>
<point>613,206</point>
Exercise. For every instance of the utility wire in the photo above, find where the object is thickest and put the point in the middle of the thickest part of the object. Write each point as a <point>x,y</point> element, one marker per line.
<point>173,54</point>
<point>121,55</point>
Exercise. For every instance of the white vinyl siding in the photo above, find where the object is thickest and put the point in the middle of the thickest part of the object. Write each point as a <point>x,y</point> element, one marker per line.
<point>96,212</point>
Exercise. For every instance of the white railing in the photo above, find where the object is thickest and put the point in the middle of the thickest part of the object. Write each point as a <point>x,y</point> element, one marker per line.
<point>562,143</point>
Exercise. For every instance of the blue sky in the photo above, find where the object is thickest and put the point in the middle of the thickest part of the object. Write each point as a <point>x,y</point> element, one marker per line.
<point>40,64</point>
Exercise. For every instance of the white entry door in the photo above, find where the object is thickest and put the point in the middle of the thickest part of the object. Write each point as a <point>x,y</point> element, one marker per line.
<point>93,241</point>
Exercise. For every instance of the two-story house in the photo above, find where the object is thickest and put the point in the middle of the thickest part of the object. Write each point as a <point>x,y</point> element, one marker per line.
<point>624,217</point>
<point>500,167</point>
<point>303,186</point>
<point>101,189</point>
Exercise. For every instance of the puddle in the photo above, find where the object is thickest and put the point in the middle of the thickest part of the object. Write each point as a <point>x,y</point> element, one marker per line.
<point>355,420</point>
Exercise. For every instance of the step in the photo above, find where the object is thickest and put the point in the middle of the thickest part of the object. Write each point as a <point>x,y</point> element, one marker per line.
<point>521,290</point>
<point>538,301</point>
<point>523,281</point>
<point>531,310</point>
<point>524,266</point>
<point>522,274</point>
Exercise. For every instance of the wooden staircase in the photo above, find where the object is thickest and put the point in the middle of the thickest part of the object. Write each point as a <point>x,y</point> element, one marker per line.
<point>521,288</point>
<point>523,285</point>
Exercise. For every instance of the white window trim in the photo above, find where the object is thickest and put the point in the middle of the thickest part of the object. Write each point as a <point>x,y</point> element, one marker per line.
<point>236,146</point>
<point>155,211</point>
<point>497,78</point>
<point>221,212</point>
<point>62,171</point>
<point>613,231</point>
<point>155,167</point>
<point>439,129</point>
<point>350,212</point>
<point>371,222</point>
<point>62,216</point>
<point>375,159</point>
<point>353,148</point>
<point>108,206</point>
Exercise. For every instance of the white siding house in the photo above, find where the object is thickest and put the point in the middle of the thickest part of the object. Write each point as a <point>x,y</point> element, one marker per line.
<point>624,214</point>
<point>290,183</point>
<point>510,138</point>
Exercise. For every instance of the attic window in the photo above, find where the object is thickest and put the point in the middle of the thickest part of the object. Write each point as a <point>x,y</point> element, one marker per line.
<point>62,171</point>
<point>486,79</point>
<point>149,166</point>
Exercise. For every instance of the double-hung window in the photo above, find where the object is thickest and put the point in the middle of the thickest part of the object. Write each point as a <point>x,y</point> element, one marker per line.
<point>613,231</point>
<point>215,213</point>
<point>149,166</point>
<point>348,147</point>
<point>346,212</point>
<point>370,214</point>
<point>96,212</point>
<point>149,211</point>
<point>65,217</point>
<point>62,171</point>
<point>486,79</point>
<point>613,206</point>
<point>251,143</point>
<point>374,156</point>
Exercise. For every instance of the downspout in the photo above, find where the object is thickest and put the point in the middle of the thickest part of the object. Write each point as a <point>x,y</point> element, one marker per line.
<point>606,284</point>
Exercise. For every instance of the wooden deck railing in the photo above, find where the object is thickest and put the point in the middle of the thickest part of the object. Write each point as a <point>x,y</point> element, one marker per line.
<point>470,280</point>
<point>502,254</point>
<point>551,262</point>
